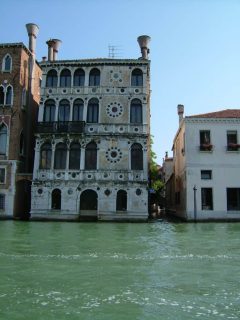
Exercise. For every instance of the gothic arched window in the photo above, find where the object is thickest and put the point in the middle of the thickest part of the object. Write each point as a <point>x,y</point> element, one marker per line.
<point>52,79</point>
<point>136,157</point>
<point>74,156</point>
<point>60,156</point>
<point>79,78</point>
<point>65,78</point>
<point>92,111</point>
<point>77,110</point>
<point>91,156</point>
<point>49,111</point>
<point>46,156</point>
<point>64,110</point>
<point>3,139</point>
<point>137,78</point>
<point>94,77</point>
<point>136,111</point>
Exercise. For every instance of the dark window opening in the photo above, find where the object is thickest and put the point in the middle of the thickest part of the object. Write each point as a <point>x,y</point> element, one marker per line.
<point>74,156</point>
<point>205,141</point>
<point>233,199</point>
<point>89,200</point>
<point>137,78</point>
<point>65,78</point>
<point>2,175</point>
<point>1,95</point>
<point>64,111</point>
<point>46,156</point>
<point>3,139</point>
<point>2,201</point>
<point>136,111</point>
<point>207,199</point>
<point>9,95</point>
<point>232,144</point>
<point>52,79</point>
<point>60,156</point>
<point>92,111</point>
<point>94,77</point>
<point>56,199</point>
<point>206,174</point>
<point>79,78</point>
<point>49,111</point>
<point>7,64</point>
<point>78,110</point>
<point>121,204</point>
<point>136,157</point>
<point>91,156</point>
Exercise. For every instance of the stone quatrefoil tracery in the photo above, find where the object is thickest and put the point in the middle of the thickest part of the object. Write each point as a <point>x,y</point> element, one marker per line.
<point>114,109</point>
<point>113,154</point>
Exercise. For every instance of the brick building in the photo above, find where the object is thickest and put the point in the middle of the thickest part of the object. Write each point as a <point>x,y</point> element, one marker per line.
<point>19,98</point>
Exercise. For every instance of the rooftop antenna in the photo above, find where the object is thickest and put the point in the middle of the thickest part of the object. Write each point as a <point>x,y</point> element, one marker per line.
<point>114,51</point>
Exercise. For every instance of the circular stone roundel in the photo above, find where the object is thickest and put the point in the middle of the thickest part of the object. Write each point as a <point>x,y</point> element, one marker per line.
<point>114,109</point>
<point>113,154</point>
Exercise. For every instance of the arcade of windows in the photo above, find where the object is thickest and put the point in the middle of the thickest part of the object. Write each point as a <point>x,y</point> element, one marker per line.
<point>6,95</point>
<point>89,200</point>
<point>66,79</point>
<point>63,157</point>
<point>65,111</point>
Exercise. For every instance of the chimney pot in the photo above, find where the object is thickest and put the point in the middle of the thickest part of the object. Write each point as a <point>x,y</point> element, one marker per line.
<point>32,30</point>
<point>180,109</point>
<point>143,42</point>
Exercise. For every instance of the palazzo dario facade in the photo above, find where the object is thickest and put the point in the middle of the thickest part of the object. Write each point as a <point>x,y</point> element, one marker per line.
<point>92,138</point>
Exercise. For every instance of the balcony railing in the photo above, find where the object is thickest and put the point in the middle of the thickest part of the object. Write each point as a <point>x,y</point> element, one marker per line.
<point>61,127</point>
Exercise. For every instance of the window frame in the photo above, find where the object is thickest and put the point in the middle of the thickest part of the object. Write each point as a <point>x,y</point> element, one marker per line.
<point>2,201</point>
<point>4,63</point>
<point>206,174</point>
<point>205,140</point>
<point>94,77</point>
<point>136,156</point>
<point>137,78</point>
<point>232,140</point>
<point>207,200</point>
<point>136,112</point>
<point>65,79</point>
<point>52,79</point>
<point>237,200</point>
<point>3,170</point>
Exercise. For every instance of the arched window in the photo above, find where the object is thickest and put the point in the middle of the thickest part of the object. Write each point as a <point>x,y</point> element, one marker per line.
<point>60,156</point>
<point>64,110</point>
<point>94,77</point>
<point>137,78</point>
<point>7,63</point>
<point>92,111</point>
<point>49,111</point>
<point>3,139</point>
<point>77,110</point>
<point>65,78</point>
<point>9,95</point>
<point>56,199</point>
<point>91,156</point>
<point>21,144</point>
<point>79,78</point>
<point>46,156</point>
<point>88,200</point>
<point>121,203</point>
<point>74,156</point>
<point>136,157</point>
<point>52,79</point>
<point>1,95</point>
<point>136,111</point>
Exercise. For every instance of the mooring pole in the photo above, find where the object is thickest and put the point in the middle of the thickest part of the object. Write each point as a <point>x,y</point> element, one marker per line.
<point>195,203</point>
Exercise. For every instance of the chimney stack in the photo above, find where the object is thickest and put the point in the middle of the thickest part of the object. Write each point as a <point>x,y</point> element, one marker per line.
<point>53,45</point>
<point>32,30</point>
<point>143,42</point>
<point>180,109</point>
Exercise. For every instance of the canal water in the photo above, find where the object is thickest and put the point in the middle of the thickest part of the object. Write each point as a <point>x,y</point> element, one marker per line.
<point>106,271</point>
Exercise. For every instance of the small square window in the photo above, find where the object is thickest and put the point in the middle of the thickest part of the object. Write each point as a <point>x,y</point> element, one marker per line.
<point>206,174</point>
<point>2,175</point>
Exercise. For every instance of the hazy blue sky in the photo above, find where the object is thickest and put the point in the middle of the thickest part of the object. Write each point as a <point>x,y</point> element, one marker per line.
<point>195,47</point>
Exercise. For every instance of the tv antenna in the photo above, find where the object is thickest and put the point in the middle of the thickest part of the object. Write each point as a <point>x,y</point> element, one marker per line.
<point>114,51</point>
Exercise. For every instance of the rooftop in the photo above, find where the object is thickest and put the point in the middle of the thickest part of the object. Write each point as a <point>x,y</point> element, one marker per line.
<point>227,113</point>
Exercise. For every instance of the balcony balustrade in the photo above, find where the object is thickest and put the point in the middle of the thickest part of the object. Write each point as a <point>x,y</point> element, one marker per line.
<point>61,127</point>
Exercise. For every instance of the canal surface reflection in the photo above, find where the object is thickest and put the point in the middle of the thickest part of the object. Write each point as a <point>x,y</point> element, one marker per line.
<point>102,271</point>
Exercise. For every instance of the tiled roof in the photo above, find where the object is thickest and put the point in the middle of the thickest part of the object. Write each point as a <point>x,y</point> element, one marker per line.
<point>228,113</point>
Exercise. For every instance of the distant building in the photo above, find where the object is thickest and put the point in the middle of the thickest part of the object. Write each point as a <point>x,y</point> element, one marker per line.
<point>92,138</point>
<point>19,97</point>
<point>206,159</point>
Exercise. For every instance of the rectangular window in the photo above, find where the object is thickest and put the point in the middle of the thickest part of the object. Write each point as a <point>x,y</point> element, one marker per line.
<point>177,197</point>
<point>207,198</point>
<point>232,141</point>
<point>233,199</point>
<point>2,201</point>
<point>206,174</point>
<point>205,140</point>
<point>2,175</point>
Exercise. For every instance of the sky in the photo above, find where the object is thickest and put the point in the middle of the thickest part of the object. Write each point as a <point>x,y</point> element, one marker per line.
<point>194,48</point>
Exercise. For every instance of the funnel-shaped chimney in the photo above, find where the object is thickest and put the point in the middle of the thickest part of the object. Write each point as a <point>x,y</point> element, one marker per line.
<point>32,30</point>
<point>180,109</point>
<point>53,45</point>
<point>143,42</point>
<point>56,45</point>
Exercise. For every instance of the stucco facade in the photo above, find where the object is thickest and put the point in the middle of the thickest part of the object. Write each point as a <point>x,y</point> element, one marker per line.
<point>206,158</point>
<point>94,122</point>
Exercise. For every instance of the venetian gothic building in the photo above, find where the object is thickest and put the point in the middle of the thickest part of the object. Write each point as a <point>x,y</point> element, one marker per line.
<point>19,98</point>
<point>92,138</point>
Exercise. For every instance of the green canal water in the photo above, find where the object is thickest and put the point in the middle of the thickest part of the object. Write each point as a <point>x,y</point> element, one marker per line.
<point>102,271</point>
